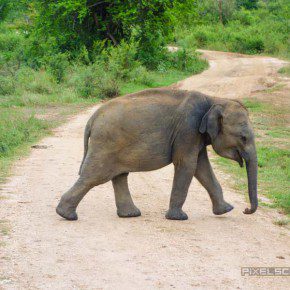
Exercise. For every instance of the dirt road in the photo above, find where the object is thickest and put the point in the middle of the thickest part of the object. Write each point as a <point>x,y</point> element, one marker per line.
<point>102,251</point>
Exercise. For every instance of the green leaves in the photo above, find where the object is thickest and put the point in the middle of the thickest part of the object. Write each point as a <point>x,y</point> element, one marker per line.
<point>75,24</point>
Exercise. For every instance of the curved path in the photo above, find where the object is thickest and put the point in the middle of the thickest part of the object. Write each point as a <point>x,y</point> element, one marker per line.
<point>102,251</point>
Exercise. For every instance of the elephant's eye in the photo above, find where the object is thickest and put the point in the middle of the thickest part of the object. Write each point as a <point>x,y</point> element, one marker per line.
<point>244,139</point>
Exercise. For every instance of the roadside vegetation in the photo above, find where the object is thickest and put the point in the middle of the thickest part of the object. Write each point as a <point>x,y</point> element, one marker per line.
<point>285,70</point>
<point>244,26</point>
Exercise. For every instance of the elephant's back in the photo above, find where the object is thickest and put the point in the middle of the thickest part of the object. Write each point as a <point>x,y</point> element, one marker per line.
<point>135,118</point>
<point>140,108</point>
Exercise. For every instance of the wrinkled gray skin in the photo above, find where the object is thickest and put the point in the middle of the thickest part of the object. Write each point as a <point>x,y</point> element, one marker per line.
<point>153,128</point>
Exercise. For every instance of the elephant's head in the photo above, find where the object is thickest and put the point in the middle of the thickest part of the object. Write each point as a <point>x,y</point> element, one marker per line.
<point>231,134</point>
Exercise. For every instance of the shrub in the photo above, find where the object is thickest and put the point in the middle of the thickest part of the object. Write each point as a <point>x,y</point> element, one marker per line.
<point>201,38</point>
<point>7,85</point>
<point>94,81</point>
<point>152,51</point>
<point>39,82</point>
<point>245,17</point>
<point>186,60</point>
<point>57,65</point>
<point>16,128</point>
<point>121,60</point>
<point>84,81</point>
<point>140,75</point>
<point>254,45</point>
<point>254,31</point>
<point>285,70</point>
<point>247,43</point>
<point>108,87</point>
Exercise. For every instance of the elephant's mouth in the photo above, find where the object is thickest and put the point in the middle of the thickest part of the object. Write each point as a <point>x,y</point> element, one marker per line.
<point>239,158</point>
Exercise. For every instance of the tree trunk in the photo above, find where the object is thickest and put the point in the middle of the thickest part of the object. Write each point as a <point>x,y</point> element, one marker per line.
<point>111,37</point>
<point>96,19</point>
<point>109,34</point>
<point>220,11</point>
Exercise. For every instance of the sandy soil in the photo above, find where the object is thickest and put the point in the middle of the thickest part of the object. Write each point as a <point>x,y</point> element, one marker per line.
<point>102,251</point>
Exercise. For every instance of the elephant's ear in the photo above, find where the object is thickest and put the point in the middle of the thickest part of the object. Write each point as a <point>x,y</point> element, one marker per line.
<point>212,121</point>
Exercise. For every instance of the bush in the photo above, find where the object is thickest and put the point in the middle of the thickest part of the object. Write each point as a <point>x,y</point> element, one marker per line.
<point>39,82</point>
<point>121,60</point>
<point>11,51</point>
<point>186,60</point>
<point>153,51</point>
<point>254,31</point>
<point>247,44</point>
<point>108,87</point>
<point>16,128</point>
<point>84,81</point>
<point>285,70</point>
<point>57,65</point>
<point>140,75</point>
<point>7,85</point>
<point>201,38</point>
<point>245,17</point>
<point>94,81</point>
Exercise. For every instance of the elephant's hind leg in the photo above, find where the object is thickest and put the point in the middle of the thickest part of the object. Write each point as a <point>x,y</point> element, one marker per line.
<point>92,174</point>
<point>124,202</point>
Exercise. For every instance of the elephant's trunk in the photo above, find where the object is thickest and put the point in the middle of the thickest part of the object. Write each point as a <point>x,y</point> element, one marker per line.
<point>252,173</point>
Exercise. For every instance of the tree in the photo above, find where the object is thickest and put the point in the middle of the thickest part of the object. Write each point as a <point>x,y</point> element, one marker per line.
<point>220,11</point>
<point>5,6</point>
<point>69,25</point>
<point>247,4</point>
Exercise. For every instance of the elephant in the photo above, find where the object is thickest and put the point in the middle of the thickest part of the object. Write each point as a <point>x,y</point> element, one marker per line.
<point>153,128</point>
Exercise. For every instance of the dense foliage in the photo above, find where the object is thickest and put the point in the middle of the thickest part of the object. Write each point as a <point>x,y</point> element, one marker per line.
<point>235,25</point>
<point>49,34</point>
<point>52,34</point>
<point>84,27</point>
<point>89,46</point>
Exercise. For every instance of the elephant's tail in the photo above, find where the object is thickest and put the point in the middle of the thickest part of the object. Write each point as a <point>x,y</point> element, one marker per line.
<point>86,143</point>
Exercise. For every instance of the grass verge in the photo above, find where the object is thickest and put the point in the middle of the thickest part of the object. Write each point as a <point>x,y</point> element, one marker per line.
<point>285,70</point>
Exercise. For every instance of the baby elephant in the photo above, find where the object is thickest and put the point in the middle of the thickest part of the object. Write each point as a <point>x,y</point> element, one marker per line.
<point>153,128</point>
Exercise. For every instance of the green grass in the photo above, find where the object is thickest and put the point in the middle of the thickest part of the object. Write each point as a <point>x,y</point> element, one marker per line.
<point>16,129</point>
<point>254,105</point>
<point>27,118</point>
<point>278,132</point>
<point>159,80</point>
<point>273,161</point>
<point>285,70</point>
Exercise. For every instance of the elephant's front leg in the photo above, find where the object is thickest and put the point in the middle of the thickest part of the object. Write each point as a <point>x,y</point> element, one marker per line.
<point>206,177</point>
<point>183,173</point>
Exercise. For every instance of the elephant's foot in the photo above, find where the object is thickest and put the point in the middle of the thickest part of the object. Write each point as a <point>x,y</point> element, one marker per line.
<point>176,214</point>
<point>67,213</point>
<point>128,211</point>
<point>222,208</point>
